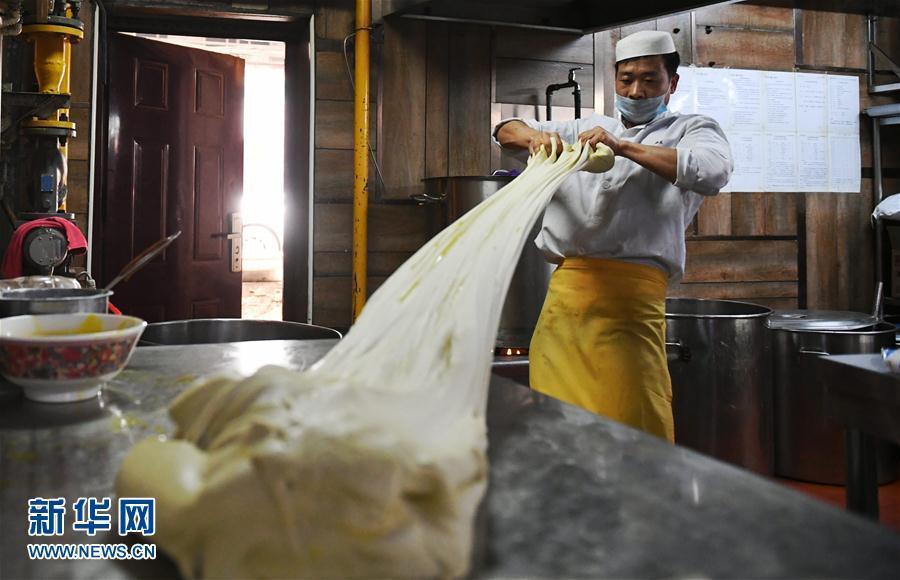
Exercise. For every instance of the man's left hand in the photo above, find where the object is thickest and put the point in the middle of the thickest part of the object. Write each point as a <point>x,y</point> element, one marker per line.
<point>599,135</point>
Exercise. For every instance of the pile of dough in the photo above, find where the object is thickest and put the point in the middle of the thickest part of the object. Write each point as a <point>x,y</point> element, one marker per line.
<point>372,462</point>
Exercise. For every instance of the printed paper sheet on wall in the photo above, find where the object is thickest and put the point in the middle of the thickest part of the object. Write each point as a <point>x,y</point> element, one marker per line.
<point>788,131</point>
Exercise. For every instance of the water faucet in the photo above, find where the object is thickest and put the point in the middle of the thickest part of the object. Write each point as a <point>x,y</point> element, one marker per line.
<point>576,92</point>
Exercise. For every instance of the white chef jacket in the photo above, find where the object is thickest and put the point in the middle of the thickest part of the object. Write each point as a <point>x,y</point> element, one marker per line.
<point>630,213</point>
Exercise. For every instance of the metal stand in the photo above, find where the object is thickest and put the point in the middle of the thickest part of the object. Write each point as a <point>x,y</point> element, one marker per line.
<point>873,53</point>
<point>862,474</point>
<point>881,116</point>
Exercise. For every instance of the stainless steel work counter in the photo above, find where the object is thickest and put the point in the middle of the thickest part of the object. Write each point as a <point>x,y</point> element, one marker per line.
<point>571,494</point>
<point>863,395</point>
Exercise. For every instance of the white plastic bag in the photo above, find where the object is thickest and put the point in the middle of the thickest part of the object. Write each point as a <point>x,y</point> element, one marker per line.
<point>891,358</point>
<point>888,209</point>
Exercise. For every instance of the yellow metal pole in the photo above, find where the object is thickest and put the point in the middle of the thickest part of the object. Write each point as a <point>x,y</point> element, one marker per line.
<point>53,69</point>
<point>361,154</point>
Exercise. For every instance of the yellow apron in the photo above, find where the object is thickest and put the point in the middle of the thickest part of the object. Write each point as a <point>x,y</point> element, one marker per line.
<point>600,343</point>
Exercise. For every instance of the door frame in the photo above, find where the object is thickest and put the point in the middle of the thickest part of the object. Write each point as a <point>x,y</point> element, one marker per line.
<point>296,30</point>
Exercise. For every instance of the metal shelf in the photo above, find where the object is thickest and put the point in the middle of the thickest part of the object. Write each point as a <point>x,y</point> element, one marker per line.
<point>884,114</point>
<point>885,89</point>
<point>883,110</point>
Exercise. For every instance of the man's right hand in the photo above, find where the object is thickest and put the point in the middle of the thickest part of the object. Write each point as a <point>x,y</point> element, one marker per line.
<point>518,135</point>
<point>546,139</point>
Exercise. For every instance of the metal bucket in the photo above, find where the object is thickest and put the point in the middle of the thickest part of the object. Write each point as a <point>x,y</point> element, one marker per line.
<point>532,275</point>
<point>719,361</point>
<point>219,330</point>
<point>809,446</point>
<point>53,301</point>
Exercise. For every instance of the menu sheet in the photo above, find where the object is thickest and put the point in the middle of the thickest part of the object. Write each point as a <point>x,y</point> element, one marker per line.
<point>788,131</point>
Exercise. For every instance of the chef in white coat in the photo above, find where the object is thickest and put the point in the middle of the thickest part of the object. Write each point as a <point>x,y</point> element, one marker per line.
<point>618,238</point>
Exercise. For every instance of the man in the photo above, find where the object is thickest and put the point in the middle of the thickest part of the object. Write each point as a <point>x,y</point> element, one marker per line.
<point>618,238</point>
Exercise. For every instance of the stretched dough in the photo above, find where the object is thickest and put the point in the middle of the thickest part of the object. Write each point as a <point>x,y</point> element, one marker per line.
<point>372,462</point>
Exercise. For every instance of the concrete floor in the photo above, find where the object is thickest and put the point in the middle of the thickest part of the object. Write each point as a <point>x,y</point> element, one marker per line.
<point>888,498</point>
<point>262,300</point>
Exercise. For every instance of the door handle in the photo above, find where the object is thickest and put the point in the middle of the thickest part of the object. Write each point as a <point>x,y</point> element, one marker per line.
<point>235,236</point>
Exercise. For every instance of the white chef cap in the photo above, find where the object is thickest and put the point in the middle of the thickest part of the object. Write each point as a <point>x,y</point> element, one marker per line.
<point>644,43</point>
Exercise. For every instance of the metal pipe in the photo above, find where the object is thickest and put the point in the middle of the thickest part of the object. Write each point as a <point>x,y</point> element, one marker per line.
<point>549,106</point>
<point>1,76</point>
<point>53,68</point>
<point>360,155</point>
<point>871,37</point>
<point>577,94</point>
<point>879,194</point>
<point>63,114</point>
<point>98,24</point>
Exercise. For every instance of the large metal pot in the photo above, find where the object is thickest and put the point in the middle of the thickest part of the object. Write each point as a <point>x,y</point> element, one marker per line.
<point>53,301</point>
<point>532,275</point>
<point>219,330</point>
<point>809,446</point>
<point>719,362</point>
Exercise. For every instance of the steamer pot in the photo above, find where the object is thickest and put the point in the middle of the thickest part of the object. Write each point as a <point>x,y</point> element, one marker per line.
<point>809,446</point>
<point>719,361</point>
<point>53,301</point>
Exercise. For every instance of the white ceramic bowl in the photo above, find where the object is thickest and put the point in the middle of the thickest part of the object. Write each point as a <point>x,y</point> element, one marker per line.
<point>61,358</point>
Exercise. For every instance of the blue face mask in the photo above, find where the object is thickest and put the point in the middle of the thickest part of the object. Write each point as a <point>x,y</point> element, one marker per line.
<point>640,111</point>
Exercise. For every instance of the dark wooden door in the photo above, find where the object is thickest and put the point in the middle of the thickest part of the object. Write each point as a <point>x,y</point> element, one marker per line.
<point>174,162</point>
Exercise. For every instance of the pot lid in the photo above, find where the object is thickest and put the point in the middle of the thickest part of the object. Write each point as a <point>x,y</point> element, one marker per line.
<point>39,282</point>
<point>819,320</point>
<point>54,294</point>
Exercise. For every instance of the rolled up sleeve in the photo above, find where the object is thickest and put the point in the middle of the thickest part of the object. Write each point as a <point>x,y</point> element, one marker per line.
<point>704,158</point>
<point>567,129</point>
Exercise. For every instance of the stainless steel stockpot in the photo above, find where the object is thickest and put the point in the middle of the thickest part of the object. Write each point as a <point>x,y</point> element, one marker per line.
<point>53,301</point>
<point>720,364</point>
<point>808,445</point>
<point>219,330</point>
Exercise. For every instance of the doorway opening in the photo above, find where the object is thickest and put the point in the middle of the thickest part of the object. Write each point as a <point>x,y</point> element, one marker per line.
<point>180,152</point>
<point>262,200</point>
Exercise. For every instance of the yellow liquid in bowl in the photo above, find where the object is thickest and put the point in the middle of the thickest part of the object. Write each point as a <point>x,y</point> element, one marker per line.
<point>91,325</point>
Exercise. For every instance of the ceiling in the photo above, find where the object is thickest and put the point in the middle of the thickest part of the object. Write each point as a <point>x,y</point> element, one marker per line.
<point>874,7</point>
<point>586,16</point>
<point>581,16</point>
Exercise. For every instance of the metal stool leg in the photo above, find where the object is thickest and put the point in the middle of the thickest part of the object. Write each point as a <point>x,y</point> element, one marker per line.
<point>862,474</point>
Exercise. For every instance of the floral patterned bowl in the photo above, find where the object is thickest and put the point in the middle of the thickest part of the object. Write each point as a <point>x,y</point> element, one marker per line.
<point>61,358</point>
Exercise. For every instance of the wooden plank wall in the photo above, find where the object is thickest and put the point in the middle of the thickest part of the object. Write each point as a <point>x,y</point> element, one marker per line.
<point>442,86</point>
<point>397,226</point>
<point>525,62</point>
<point>750,241</point>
